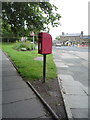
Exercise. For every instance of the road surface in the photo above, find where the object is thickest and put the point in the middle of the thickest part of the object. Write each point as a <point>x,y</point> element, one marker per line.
<point>76,61</point>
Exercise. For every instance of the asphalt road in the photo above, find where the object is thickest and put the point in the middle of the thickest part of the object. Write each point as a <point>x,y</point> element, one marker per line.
<point>77,60</point>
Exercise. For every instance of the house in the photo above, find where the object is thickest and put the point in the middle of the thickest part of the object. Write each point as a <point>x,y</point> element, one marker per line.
<point>74,38</point>
<point>86,40</point>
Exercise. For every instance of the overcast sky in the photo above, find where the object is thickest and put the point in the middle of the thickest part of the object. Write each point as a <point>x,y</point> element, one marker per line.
<point>74,16</point>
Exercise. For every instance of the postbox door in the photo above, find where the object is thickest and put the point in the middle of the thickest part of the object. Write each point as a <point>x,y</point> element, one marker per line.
<point>47,45</point>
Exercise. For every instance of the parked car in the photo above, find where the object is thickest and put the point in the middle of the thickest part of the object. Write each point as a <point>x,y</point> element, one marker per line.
<point>58,44</point>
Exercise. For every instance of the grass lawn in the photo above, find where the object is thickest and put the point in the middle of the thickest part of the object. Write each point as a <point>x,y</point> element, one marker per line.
<point>0,44</point>
<point>29,68</point>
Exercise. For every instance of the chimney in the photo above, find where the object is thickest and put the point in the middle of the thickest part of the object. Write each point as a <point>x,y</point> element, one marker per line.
<point>81,33</point>
<point>62,33</point>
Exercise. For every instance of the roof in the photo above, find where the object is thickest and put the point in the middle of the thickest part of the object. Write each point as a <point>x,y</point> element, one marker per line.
<point>86,37</point>
<point>72,34</point>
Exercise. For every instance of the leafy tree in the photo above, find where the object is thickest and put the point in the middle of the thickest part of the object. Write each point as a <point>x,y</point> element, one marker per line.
<point>57,38</point>
<point>19,18</point>
<point>0,27</point>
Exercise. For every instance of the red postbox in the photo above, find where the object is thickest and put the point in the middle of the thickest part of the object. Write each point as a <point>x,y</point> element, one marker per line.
<point>44,43</point>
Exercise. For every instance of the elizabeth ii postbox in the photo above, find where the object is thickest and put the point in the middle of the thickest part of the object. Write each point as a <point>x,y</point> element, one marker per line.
<point>44,43</point>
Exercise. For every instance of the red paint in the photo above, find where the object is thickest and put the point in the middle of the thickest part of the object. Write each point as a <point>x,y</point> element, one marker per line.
<point>44,43</point>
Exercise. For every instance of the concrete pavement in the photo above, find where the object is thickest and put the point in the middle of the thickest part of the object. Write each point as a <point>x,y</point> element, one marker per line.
<point>74,92</point>
<point>18,100</point>
<point>0,85</point>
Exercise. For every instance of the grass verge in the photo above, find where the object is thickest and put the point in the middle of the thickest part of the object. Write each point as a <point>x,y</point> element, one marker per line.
<point>0,45</point>
<point>29,68</point>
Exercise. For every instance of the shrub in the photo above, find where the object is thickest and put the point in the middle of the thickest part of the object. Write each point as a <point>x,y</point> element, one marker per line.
<point>23,44</point>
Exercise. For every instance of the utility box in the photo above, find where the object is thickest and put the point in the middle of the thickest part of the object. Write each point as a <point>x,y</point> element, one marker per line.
<point>44,43</point>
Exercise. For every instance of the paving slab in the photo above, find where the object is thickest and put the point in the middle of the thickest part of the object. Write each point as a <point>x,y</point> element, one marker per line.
<point>68,81</point>
<point>71,83</point>
<point>60,64</point>
<point>80,113</point>
<point>86,89</point>
<point>73,90</point>
<point>11,96</point>
<point>57,60</point>
<point>0,97</point>
<point>63,71</point>
<point>0,112</point>
<point>11,79</point>
<point>0,79</point>
<point>70,64</point>
<point>6,65</point>
<point>67,56</point>
<point>13,85</point>
<point>66,77</point>
<point>0,73</point>
<point>6,69</point>
<point>0,64</point>
<point>9,72</point>
<point>4,58</point>
<point>76,101</point>
<point>0,86</point>
<point>24,109</point>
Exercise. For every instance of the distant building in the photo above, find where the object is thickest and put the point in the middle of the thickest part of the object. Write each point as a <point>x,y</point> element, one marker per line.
<point>75,38</point>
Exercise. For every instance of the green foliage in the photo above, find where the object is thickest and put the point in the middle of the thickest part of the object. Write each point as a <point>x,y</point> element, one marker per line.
<point>57,38</point>
<point>19,18</point>
<point>30,39</point>
<point>23,44</point>
<point>7,33</point>
<point>0,45</point>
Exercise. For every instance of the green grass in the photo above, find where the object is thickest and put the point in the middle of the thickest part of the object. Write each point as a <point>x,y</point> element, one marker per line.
<point>0,45</point>
<point>29,68</point>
